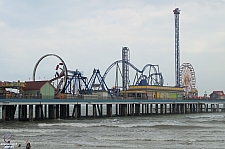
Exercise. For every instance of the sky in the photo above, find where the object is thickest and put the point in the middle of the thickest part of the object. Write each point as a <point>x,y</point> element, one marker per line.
<point>90,34</point>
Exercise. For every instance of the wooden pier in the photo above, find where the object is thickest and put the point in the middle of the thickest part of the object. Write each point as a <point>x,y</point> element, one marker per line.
<point>39,109</point>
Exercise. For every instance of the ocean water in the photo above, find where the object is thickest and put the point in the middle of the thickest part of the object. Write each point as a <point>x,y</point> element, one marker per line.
<point>206,130</point>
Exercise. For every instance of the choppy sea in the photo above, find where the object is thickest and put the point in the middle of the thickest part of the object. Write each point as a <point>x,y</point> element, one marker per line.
<point>205,130</point>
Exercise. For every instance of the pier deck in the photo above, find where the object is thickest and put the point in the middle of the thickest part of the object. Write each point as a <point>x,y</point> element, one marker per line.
<point>37,109</point>
<point>104,101</point>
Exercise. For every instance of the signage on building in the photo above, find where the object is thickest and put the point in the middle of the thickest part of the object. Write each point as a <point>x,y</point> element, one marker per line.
<point>6,84</point>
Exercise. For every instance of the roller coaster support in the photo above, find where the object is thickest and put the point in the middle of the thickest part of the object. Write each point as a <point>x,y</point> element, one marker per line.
<point>154,77</point>
<point>76,80</point>
<point>96,74</point>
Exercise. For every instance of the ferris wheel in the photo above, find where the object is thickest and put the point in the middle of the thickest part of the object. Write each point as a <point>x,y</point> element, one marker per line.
<point>187,77</point>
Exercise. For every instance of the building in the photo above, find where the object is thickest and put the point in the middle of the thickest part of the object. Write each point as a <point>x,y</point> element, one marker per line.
<point>39,89</point>
<point>6,88</point>
<point>217,95</point>
<point>154,92</point>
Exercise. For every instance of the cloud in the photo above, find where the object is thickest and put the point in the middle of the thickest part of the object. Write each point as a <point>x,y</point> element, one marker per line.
<point>91,35</point>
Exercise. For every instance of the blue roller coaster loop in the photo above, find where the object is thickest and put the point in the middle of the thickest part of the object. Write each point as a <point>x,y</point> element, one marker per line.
<point>137,70</point>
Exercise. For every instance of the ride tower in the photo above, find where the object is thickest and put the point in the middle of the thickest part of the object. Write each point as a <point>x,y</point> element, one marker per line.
<point>177,47</point>
<point>125,67</point>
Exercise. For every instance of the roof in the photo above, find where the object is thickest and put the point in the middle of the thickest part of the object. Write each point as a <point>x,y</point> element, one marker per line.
<point>156,87</point>
<point>34,85</point>
<point>220,93</point>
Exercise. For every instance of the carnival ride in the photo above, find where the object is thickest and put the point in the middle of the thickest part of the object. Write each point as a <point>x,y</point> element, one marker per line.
<point>74,82</point>
<point>61,76</point>
<point>188,80</point>
<point>152,77</point>
<point>184,74</point>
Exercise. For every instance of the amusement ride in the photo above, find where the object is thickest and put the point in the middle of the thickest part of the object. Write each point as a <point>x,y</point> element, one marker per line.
<point>188,80</point>
<point>74,82</point>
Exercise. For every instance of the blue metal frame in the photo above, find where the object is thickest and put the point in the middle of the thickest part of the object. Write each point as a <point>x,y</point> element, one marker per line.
<point>96,74</point>
<point>76,76</point>
<point>154,67</point>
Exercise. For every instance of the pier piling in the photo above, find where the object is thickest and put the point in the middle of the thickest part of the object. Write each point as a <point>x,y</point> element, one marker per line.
<point>53,110</point>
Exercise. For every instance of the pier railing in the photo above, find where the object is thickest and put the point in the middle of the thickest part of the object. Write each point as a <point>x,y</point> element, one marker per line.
<point>95,97</point>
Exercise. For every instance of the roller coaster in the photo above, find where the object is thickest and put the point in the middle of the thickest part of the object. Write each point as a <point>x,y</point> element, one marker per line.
<point>153,78</point>
<point>75,83</point>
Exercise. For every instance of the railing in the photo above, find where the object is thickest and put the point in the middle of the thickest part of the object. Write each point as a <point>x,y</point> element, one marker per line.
<point>95,97</point>
<point>26,97</point>
<point>76,97</point>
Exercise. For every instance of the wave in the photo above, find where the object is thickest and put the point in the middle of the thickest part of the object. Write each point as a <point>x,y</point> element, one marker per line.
<point>113,123</point>
<point>205,116</point>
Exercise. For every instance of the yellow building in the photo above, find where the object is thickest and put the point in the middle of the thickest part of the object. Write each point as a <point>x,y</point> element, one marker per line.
<point>154,92</point>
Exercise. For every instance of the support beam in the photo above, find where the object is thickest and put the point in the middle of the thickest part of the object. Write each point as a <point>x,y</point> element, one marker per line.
<point>217,108</point>
<point>156,109</point>
<point>165,110</point>
<point>55,111</point>
<point>75,111</point>
<point>37,112</point>
<point>179,108</point>
<point>67,110</point>
<point>99,110</point>
<point>31,113</point>
<point>151,111</point>
<point>142,109</point>
<point>137,109</point>
<point>50,111</point>
<point>20,112</point>
<point>212,107</point>
<point>189,108</point>
<point>132,109</point>
<point>124,109</point>
<point>86,110</point>
<point>24,112</point>
<point>63,111</point>
<point>147,106</point>
<point>116,109</point>
<point>173,108</point>
<point>94,111</point>
<point>3,112</point>
<point>109,110</point>
<point>198,107</point>
<point>205,107</point>
<point>161,109</point>
<point>45,111</point>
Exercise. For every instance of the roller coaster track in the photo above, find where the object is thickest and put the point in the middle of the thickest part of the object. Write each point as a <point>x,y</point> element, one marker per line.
<point>135,68</point>
<point>66,77</point>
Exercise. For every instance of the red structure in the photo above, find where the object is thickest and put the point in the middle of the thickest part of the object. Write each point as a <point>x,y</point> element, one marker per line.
<point>217,95</point>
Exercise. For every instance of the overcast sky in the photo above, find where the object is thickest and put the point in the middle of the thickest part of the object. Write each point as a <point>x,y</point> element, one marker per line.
<point>91,34</point>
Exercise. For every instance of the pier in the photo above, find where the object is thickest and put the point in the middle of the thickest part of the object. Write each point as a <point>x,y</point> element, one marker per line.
<point>72,95</point>
<point>40,109</point>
